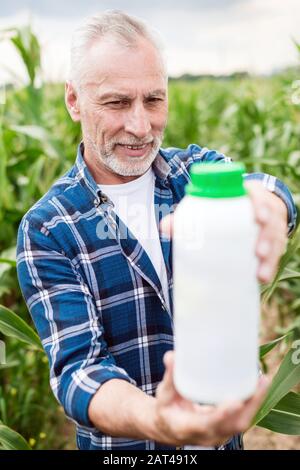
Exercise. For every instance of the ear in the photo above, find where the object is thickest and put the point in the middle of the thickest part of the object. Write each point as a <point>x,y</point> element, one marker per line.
<point>72,101</point>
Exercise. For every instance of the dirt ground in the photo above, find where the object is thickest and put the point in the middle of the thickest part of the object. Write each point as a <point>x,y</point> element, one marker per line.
<point>262,439</point>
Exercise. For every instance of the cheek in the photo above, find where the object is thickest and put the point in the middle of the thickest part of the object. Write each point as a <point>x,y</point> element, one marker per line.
<point>109,126</point>
<point>90,123</point>
<point>160,119</point>
<point>160,122</point>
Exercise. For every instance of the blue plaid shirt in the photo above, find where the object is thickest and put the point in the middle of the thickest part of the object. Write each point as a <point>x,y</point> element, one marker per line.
<point>93,293</point>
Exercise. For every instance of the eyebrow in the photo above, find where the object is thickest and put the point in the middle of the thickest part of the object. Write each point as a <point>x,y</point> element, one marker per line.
<point>123,96</point>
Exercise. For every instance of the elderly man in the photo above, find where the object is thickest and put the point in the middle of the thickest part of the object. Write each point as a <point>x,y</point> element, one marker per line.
<point>94,268</point>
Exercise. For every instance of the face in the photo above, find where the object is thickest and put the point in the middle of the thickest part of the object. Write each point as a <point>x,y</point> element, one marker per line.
<point>122,106</point>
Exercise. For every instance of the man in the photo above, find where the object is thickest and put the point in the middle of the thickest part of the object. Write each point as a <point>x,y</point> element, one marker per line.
<point>97,277</point>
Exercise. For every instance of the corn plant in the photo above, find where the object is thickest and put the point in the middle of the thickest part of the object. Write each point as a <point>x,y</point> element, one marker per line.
<point>255,120</point>
<point>12,325</point>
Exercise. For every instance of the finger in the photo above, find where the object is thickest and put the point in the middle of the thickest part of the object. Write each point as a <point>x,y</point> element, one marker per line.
<point>271,245</point>
<point>252,405</point>
<point>213,428</point>
<point>166,388</point>
<point>212,418</point>
<point>204,409</point>
<point>166,226</point>
<point>280,207</point>
<point>262,211</point>
<point>270,234</point>
<point>230,408</point>
<point>262,387</point>
<point>267,269</point>
<point>257,192</point>
<point>234,417</point>
<point>266,273</point>
<point>262,201</point>
<point>268,264</point>
<point>253,187</point>
<point>225,417</point>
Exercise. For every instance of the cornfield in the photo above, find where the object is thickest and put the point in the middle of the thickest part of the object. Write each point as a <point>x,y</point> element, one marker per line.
<point>253,119</point>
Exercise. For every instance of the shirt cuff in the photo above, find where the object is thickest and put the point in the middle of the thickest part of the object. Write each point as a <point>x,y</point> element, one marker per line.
<point>83,386</point>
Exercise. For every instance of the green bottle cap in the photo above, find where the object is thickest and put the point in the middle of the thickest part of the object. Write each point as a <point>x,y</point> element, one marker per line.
<point>216,180</point>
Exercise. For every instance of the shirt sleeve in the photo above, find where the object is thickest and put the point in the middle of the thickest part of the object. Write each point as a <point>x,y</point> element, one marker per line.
<point>65,316</point>
<point>195,153</point>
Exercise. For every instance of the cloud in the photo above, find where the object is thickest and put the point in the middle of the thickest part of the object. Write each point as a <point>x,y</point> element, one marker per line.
<point>78,8</point>
<point>253,35</point>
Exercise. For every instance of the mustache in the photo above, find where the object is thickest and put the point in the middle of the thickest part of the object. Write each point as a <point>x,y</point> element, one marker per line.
<point>133,142</point>
<point>155,141</point>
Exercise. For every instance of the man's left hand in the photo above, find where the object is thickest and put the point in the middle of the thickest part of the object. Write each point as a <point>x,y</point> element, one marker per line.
<point>271,216</point>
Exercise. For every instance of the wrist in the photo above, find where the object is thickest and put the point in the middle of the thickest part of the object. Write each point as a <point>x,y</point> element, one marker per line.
<point>149,422</point>
<point>146,419</point>
<point>155,425</point>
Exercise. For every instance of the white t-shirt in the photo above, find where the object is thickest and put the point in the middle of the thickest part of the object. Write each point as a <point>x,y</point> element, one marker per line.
<point>134,204</point>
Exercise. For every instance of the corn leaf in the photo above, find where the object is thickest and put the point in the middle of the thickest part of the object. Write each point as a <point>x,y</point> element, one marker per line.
<point>11,440</point>
<point>12,325</point>
<point>267,347</point>
<point>294,245</point>
<point>287,376</point>
<point>285,416</point>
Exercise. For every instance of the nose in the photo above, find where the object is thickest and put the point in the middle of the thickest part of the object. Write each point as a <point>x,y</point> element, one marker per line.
<point>138,122</point>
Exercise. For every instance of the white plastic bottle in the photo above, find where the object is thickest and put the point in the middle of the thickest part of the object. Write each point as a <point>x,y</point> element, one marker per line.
<point>216,293</point>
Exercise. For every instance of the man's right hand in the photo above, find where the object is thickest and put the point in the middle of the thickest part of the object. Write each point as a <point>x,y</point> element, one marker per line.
<point>182,422</point>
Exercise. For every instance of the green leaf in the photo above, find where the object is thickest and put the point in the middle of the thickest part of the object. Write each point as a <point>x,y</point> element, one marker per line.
<point>286,275</point>
<point>4,193</point>
<point>282,270</point>
<point>42,135</point>
<point>9,253</point>
<point>297,45</point>
<point>289,274</point>
<point>12,325</point>
<point>267,347</point>
<point>28,48</point>
<point>287,376</point>
<point>11,440</point>
<point>35,132</point>
<point>8,261</point>
<point>9,365</point>
<point>8,257</point>
<point>285,416</point>
<point>292,328</point>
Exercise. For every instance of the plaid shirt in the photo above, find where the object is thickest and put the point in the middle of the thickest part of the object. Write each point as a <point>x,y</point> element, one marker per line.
<point>93,293</point>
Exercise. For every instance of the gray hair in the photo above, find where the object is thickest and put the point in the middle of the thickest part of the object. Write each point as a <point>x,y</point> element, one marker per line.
<point>124,28</point>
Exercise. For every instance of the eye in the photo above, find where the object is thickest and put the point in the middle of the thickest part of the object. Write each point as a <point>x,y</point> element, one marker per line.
<point>154,100</point>
<point>117,103</point>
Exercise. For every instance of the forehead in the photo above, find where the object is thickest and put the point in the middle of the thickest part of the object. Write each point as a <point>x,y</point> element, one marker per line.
<point>114,66</point>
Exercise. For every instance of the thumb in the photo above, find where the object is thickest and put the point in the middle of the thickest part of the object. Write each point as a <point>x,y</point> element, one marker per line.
<point>166,387</point>
<point>166,226</point>
<point>169,362</point>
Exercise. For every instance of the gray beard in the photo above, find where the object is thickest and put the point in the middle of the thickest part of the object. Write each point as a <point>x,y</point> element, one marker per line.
<point>135,167</point>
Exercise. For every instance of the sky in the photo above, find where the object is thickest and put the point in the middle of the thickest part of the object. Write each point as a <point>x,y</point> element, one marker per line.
<point>200,36</point>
